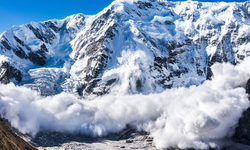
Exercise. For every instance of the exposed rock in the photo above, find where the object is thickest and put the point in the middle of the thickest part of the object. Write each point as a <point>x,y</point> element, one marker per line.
<point>52,26</point>
<point>35,31</point>
<point>38,58</point>
<point>19,52</point>
<point>8,72</point>
<point>5,43</point>
<point>10,141</point>
<point>248,88</point>
<point>242,132</point>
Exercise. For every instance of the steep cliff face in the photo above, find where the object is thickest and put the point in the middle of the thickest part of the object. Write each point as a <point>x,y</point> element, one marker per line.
<point>146,46</point>
<point>242,131</point>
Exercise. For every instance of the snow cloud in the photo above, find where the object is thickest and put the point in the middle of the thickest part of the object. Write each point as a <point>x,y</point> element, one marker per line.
<point>198,116</point>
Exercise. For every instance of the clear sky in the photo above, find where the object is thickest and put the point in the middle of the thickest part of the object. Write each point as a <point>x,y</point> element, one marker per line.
<point>17,12</point>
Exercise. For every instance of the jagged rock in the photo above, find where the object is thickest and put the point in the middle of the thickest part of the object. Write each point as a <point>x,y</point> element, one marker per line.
<point>37,58</point>
<point>5,43</point>
<point>8,72</point>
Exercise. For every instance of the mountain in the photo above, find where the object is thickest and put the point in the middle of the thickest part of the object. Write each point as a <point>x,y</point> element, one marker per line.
<point>146,46</point>
<point>134,50</point>
<point>9,140</point>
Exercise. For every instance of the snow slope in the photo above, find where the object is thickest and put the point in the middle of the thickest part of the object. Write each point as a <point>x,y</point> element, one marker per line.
<point>36,49</point>
<point>147,46</point>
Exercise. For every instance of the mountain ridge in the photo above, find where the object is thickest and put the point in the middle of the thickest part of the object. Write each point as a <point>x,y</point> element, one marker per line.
<point>180,41</point>
<point>9,140</point>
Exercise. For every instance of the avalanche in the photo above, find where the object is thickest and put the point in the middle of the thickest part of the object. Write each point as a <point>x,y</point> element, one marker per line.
<point>198,117</point>
<point>142,63</point>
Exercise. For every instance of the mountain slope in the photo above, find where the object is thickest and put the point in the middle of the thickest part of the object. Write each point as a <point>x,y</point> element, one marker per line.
<point>144,46</point>
<point>9,140</point>
<point>26,48</point>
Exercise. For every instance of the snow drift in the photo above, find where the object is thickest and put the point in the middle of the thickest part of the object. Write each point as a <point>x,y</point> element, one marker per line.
<point>198,116</point>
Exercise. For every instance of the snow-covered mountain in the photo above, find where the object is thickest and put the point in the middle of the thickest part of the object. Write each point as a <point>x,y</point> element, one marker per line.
<point>140,52</point>
<point>144,46</point>
<point>37,54</point>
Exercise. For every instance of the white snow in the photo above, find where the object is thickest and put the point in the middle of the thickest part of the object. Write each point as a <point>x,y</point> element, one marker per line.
<point>3,59</point>
<point>196,117</point>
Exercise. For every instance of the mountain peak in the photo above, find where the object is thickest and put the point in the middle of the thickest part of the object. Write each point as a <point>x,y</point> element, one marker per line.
<point>178,40</point>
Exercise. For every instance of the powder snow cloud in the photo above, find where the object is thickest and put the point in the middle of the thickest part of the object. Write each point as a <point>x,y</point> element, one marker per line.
<point>198,116</point>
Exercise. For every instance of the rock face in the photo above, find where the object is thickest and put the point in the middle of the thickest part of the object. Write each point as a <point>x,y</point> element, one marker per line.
<point>242,132</point>
<point>145,46</point>
<point>248,88</point>
<point>10,141</point>
<point>8,72</point>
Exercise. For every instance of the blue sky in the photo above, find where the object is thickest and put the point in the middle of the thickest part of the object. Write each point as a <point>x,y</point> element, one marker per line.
<point>17,12</point>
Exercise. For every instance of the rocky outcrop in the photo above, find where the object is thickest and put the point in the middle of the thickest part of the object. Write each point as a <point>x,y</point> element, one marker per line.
<point>242,132</point>
<point>8,72</point>
<point>10,141</point>
<point>248,88</point>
